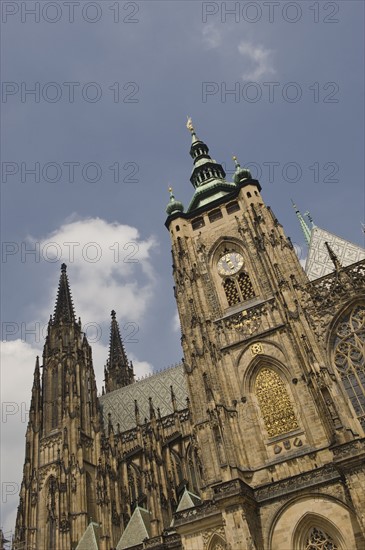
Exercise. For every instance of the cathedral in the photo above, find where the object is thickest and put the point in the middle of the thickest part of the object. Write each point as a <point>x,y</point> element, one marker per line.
<point>255,441</point>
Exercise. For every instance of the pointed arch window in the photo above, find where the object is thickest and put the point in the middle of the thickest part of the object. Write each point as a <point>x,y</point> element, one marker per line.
<point>275,404</point>
<point>238,289</point>
<point>245,286</point>
<point>135,484</point>
<point>317,539</point>
<point>349,357</point>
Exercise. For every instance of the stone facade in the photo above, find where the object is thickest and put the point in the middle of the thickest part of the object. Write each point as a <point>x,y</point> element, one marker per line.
<point>261,429</point>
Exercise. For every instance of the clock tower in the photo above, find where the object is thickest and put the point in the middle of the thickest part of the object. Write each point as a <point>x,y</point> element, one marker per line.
<point>266,405</point>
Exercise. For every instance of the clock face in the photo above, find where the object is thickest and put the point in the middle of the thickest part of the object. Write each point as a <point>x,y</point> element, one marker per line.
<point>230,263</point>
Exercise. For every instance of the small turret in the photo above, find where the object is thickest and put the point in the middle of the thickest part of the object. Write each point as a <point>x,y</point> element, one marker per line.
<point>118,370</point>
<point>174,205</point>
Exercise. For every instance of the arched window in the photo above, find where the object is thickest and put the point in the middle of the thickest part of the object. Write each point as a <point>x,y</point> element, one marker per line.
<point>231,291</point>
<point>276,407</point>
<point>317,539</point>
<point>246,287</point>
<point>349,357</point>
<point>177,468</point>
<point>217,543</point>
<point>238,289</point>
<point>135,484</point>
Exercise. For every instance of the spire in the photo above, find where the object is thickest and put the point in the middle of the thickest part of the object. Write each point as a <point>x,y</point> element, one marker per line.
<point>119,371</point>
<point>64,309</point>
<point>240,174</point>
<point>336,262</point>
<point>37,377</point>
<point>303,224</point>
<point>174,205</point>
<point>205,168</point>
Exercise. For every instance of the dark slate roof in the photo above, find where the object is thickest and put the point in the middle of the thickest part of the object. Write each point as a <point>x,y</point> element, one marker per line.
<point>120,403</point>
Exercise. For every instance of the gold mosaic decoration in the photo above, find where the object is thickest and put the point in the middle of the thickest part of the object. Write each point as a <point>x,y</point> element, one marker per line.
<point>275,404</point>
<point>319,540</point>
<point>350,358</point>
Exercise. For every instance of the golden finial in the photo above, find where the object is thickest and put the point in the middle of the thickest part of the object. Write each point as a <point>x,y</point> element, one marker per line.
<point>189,125</point>
<point>235,160</point>
<point>170,189</point>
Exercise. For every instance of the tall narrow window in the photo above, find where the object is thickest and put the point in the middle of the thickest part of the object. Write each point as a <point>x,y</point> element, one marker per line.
<point>55,398</point>
<point>231,292</point>
<point>349,357</point>
<point>275,404</point>
<point>245,286</point>
<point>317,539</point>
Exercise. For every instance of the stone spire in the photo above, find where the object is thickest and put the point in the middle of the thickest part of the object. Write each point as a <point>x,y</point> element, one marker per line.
<point>118,370</point>
<point>64,309</point>
<point>303,224</point>
<point>336,262</point>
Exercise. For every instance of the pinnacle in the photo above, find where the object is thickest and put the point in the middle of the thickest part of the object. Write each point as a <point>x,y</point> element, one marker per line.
<point>119,371</point>
<point>64,309</point>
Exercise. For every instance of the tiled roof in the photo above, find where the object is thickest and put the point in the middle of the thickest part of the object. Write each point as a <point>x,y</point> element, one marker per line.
<point>90,539</point>
<point>120,403</point>
<point>138,529</point>
<point>319,263</point>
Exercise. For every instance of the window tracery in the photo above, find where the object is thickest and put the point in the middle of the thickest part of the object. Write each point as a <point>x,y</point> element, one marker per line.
<point>317,539</point>
<point>349,357</point>
<point>275,405</point>
<point>238,289</point>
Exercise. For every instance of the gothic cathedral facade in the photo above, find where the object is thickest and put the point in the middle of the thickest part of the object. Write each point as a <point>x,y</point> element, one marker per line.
<point>255,442</point>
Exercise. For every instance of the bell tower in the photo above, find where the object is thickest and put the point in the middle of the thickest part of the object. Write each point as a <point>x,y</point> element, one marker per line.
<point>264,400</point>
<point>57,496</point>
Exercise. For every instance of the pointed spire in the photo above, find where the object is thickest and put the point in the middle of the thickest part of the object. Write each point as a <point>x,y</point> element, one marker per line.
<point>36,377</point>
<point>336,262</point>
<point>303,224</point>
<point>64,309</point>
<point>205,168</point>
<point>119,371</point>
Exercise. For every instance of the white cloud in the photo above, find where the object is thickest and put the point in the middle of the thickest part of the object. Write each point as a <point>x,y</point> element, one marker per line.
<point>259,61</point>
<point>176,327</point>
<point>17,367</point>
<point>108,264</point>
<point>212,37</point>
<point>121,278</point>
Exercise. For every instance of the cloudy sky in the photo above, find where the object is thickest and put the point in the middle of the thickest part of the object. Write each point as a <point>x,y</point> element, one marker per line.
<point>87,157</point>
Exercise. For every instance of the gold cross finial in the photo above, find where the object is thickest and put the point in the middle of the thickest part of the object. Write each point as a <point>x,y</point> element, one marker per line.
<point>189,125</point>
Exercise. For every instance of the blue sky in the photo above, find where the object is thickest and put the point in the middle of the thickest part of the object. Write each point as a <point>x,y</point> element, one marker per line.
<point>298,77</point>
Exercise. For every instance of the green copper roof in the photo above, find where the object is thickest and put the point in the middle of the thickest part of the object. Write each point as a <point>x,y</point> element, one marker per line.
<point>174,205</point>
<point>209,192</point>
